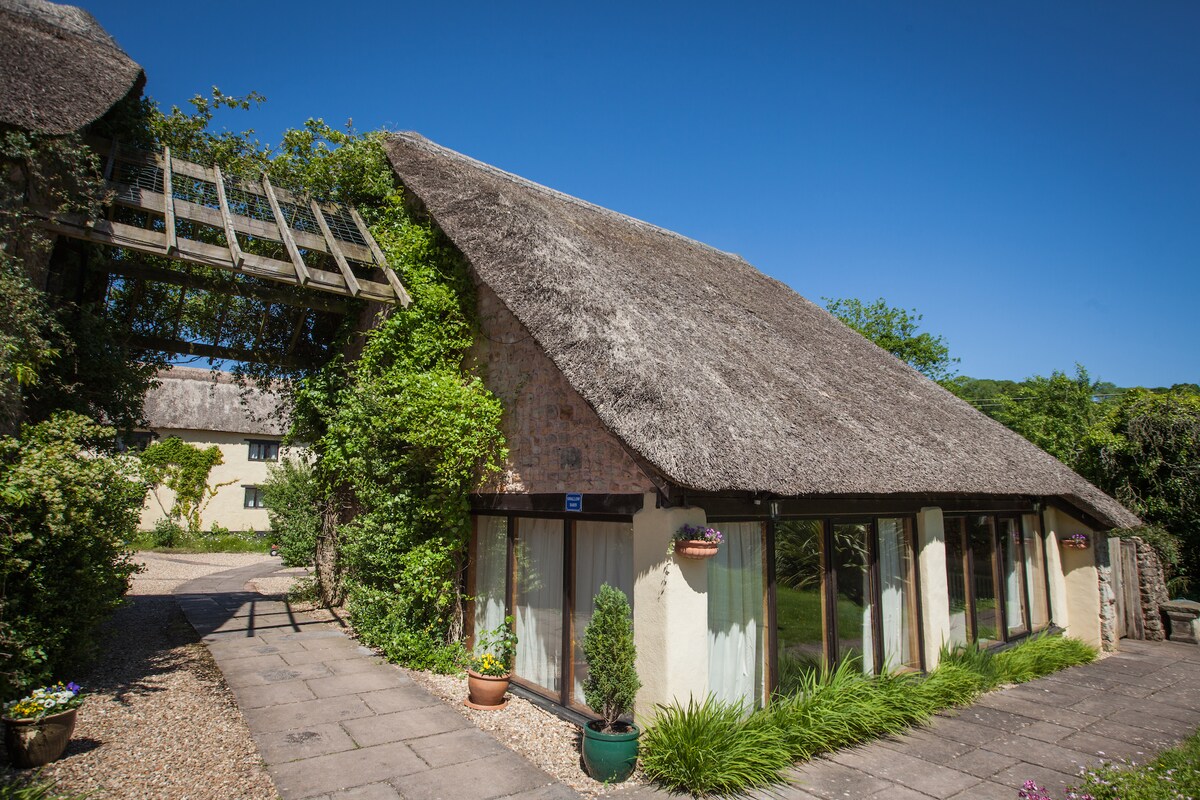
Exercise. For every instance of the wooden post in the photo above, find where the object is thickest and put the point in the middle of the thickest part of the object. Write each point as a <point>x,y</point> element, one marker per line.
<point>235,250</point>
<point>169,202</point>
<point>285,234</point>
<point>335,251</point>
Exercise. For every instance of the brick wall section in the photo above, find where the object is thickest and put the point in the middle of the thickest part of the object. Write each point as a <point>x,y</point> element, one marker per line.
<point>556,443</point>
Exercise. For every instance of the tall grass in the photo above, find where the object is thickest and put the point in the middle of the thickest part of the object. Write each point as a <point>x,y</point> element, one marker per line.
<point>714,748</point>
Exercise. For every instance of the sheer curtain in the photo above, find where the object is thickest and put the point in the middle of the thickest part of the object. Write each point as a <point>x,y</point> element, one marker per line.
<point>1035,570</point>
<point>539,601</point>
<point>735,615</point>
<point>896,594</point>
<point>491,557</point>
<point>1014,586</point>
<point>603,554</point>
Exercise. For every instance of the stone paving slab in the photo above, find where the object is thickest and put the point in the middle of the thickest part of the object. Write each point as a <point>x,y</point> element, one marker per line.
<point>334,722</point>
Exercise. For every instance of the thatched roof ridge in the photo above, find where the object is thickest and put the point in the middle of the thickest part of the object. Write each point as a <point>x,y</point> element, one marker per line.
<point>59,69</point>
<point>719,377</point>
<point>188,398</point>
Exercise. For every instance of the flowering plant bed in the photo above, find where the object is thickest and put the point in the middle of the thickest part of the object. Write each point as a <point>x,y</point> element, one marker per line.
<point>1076,541</point>
<point>45,702</point>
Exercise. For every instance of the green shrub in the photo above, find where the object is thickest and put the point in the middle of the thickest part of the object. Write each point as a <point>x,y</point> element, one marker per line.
<point>292,497</point>
<point>612,681</point>
<point>381,621</point>
<point>68,511</point>
<point>167,533</point>
<point>713,748</point>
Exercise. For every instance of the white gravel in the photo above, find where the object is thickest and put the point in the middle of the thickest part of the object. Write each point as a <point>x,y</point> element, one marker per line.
<point>159,721</point>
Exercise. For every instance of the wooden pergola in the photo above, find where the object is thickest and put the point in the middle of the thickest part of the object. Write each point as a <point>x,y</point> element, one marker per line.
<point>198,215</point>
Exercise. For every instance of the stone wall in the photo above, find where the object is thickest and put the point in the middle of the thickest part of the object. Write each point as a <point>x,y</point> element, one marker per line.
<point>556,442</point>
<point>1108,592</point>
<point>1153,588</point>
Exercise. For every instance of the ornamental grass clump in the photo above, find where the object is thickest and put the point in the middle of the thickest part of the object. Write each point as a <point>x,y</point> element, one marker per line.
<point>45,702</point>
<point>612,681</point>
<point>1042,655</point>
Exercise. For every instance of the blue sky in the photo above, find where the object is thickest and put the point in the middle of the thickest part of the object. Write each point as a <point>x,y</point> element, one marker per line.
<point>1024,174</point>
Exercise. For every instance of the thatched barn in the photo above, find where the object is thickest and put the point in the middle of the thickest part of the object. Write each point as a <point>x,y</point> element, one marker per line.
<point>210,409</point>
<point>651,381</point>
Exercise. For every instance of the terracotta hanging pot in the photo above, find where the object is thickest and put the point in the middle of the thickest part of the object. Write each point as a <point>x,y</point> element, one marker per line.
<point>486,692</point>
<point>695,548</point>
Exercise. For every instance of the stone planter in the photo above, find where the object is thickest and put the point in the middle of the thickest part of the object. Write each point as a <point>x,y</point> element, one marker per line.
<point>37,742</point>
<point>486,692</point>
<point>1185,620</point>
<point>695,548</point>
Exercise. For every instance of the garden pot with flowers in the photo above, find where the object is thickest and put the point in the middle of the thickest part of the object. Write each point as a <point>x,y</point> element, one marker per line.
<point>1076,541</point>
<point>490,669</point>
<point>37,727</point>
<point>697,541</point>
<point>610,744</point>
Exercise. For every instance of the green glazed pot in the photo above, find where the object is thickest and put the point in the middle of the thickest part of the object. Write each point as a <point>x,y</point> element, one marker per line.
<point>609,757</point>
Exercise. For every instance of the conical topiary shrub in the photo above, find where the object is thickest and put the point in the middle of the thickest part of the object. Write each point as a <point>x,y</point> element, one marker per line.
<point>609,745</point>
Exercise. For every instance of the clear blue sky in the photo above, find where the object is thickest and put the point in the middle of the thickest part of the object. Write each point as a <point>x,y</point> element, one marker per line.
<point>1025,174</point>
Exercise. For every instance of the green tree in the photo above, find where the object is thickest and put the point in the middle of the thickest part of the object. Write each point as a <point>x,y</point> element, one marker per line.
<point>1055,413</point>
<point>612,680</point>
<point>1144,450</point>
<point>291,496</point>
<point>896,330</point>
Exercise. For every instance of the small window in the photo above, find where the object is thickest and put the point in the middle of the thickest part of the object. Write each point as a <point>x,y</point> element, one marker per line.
<point>136,441</point>
<point>262,450</point>
<point>254,497</point>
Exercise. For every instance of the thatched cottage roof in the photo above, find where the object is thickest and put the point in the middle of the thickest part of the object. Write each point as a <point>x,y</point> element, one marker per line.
<point>201,400</point>
<point>718,376</point>
<point>59,70</point>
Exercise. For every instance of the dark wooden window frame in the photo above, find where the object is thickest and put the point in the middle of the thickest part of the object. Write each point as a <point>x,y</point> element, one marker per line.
<point>252,497</point>
<point>269,445</point>
<point>829,588</point>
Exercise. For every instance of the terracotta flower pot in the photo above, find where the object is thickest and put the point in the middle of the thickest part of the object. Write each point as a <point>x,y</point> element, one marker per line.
<point>37,742</point>
<point>695,548</point>
<point>486,691</point>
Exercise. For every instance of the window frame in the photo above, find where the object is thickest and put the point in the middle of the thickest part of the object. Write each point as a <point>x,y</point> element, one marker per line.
<point>272,445</point>
<point>258,502</point>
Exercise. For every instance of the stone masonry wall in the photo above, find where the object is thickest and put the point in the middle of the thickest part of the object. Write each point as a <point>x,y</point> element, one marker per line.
<point>556,443</point>
<point>1108,596</point>
<point>1153,589</point>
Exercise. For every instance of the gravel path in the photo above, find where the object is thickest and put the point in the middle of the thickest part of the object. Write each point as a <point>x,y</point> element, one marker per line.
<point>160,721</point>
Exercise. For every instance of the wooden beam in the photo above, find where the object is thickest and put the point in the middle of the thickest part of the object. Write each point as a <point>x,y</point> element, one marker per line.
<point>381,260</point>
<point>285,233</point>
<point>315,301</point>
<point>168,201</point>
<point>351,280</point>
<point>235,250</point>
<point>297,329</point>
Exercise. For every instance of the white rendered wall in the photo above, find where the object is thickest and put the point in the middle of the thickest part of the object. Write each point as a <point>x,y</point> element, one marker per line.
<point>1074,581</point>
<point>671,602</point>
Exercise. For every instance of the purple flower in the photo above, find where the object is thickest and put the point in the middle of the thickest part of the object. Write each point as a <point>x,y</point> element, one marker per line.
<point>73,687</point>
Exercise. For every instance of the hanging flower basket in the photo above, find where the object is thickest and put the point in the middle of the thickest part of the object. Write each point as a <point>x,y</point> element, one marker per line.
<point>697,541</point>
<point>1076,541</point>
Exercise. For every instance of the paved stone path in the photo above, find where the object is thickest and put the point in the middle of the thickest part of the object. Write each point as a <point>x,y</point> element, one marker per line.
<point>1129,706</point>
<point>333,721</point>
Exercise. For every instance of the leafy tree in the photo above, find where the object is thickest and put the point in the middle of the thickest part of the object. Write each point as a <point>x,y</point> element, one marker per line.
<point>896,330</point>
<point>1145,451</point>
<point>291,494</point>
<point>1054,413</point>
<point>612,681</point>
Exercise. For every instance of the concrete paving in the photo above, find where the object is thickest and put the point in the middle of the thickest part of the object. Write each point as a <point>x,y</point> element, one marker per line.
<point>334,722</point>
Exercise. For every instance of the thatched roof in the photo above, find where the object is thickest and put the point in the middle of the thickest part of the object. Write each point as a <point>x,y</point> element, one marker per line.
<point>59,70</point>
<point>199,399</point>
<point>718,376</point>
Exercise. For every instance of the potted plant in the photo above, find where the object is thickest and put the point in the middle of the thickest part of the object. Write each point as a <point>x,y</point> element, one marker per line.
<point>610,744</point>
<point>38,726</point>
<point>697,541</point>
<point>1076,541</point>
<point>490,668</point>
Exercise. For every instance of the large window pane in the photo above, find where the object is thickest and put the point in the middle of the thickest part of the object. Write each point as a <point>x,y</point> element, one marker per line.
<point>735,615</point>
<point>799,599</point>
<point>956,580</point>
<point>491,561</point>
<point>539,601</point>
<point>603,554</point>
<point>854,606</point>
<point>980,539</point>
<point>1014,575</point>
<point>1035,571</point>
<point>898,595</point>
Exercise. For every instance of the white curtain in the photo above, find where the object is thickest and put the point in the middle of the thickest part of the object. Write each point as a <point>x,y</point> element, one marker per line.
<point>603,554</point>
<point>1035,568</point>
<point>1014,592</point>
<point>539,601</point>
<point>894,562</point>
<point>491,561</point>
<point>735,616</point>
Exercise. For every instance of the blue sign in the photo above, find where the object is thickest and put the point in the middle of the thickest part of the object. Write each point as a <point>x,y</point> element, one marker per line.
<point>574,502</point>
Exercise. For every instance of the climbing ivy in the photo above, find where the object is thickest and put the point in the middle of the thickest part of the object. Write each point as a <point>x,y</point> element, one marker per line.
<point>184,469</point>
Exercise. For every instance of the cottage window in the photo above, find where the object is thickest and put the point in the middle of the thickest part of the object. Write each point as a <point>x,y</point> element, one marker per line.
<point>845,589</point>
<point>253,497</point>
<point>1005,596</point>
<point>263,450</point>
<point>556,566</point>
